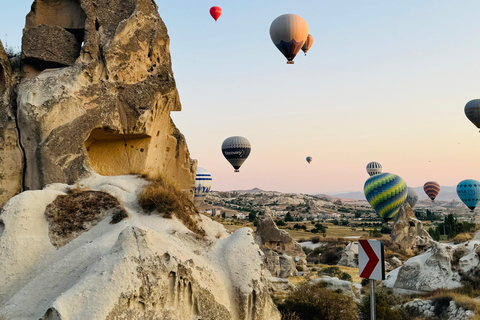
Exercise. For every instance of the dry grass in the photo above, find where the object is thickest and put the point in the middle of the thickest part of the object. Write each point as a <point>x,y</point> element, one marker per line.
<point>462,237</point>
<point>169,201</point>
<point>72,214</point>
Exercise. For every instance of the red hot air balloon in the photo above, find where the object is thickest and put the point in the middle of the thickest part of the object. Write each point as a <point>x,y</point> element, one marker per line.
<point>215,12</point>
<point>431,188</point>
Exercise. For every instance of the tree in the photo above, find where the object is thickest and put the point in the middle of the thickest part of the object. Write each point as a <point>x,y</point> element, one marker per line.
<point>288,217</point>
<point>252,216</point>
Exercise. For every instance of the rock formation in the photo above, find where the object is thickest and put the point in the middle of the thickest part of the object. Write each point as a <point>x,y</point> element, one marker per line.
<point>139,267</point>
<point>95,94</point>
<point>408,233</point>
<point>281,251</point>
<point>349,256</point>
<point>441,266</point>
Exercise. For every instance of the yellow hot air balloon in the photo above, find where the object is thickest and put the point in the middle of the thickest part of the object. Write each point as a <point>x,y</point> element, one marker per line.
<point>289,32</point>
<point>308,44</point>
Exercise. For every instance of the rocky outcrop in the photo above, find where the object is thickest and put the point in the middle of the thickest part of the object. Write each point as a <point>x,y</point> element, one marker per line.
<point>282,253</point>
<point>428,309</point>
<point>11,154</point>
<point>408,233</point>
<point>143,267</point>
<point>97,94</point>
<point>349,256</point>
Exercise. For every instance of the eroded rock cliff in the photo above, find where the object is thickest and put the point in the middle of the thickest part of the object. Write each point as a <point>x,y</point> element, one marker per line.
<point>94,94</point>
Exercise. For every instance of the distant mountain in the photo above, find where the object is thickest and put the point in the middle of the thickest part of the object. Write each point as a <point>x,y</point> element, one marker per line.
<point>447,193</point>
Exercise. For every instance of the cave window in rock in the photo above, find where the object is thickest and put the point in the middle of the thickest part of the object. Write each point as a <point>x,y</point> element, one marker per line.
<point>112,153</point>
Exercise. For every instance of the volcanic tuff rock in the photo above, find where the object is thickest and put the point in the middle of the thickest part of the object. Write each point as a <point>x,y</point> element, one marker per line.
<point>279,248</point>
<point>407,232</point>
<point>95,94</point>
<point>441,266</point>
<point>142,267</point>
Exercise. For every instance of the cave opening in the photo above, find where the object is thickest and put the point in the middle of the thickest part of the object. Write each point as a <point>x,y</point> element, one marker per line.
<point>112,153</point>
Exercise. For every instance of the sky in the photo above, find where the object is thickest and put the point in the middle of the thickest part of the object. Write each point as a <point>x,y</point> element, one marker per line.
<point>384,81</point>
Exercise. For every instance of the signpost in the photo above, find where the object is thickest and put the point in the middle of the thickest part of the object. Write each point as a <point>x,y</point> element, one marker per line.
<point>371,265</point>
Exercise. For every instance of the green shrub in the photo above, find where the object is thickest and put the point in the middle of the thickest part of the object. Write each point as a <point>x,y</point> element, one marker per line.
<point>345,276</point>
<point>315,302</point>
<point>384,300</point>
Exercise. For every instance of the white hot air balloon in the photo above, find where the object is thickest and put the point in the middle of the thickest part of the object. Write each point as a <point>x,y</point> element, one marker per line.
<point>374,168</point>
<point>203,183</point>
<point>289,33</point>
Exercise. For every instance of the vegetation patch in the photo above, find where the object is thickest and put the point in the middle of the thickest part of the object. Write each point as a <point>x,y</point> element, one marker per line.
<point>72,214</point>
<point>315,302</point>
<point>169,201</point>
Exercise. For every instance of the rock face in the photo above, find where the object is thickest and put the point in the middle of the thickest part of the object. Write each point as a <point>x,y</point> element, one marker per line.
<point>279,248</point>
<point>95,95</point>
<point>349,256</point>
<point>142,267</point>
<point>11,155</point>
<point>441,266</point>
<point>408,233</point>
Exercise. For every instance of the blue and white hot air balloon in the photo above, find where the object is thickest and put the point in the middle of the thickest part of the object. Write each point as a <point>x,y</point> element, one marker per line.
<point>412,197</point>
<point>469,192</point>
<point>203,183</point>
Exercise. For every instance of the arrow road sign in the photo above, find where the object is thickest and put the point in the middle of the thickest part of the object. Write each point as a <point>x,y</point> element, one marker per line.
<point>371,264</point>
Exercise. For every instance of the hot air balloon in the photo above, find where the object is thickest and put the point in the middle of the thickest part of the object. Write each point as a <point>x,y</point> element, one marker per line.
<point>431,188</point>
<point>308,44</point>
<point>374,168</point>
<point>385,192</point>
<point>309,159</point>
<point>215,12</point>
<point>469,192</point>
<point>412,197</point>
<point>236,150</point>
<point>203,182</point>
<point>289,32</point>
<point>472,111</point>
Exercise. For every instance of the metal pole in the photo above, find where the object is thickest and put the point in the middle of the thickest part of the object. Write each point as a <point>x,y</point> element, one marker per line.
<point>373,312</point>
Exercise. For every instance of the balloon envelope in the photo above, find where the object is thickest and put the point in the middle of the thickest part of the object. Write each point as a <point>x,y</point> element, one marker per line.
<point>374,168</point>
<point>431,188</point>
<point>385,192</point>
<point>309,159</point>
<point>288,33</point>
<point>469,192</point>
<point>472,111</point>
<point>203,182</point>
<point>412,197</point>
<point>215,12</point>
<point>236,150</point>
<point>308,44</point>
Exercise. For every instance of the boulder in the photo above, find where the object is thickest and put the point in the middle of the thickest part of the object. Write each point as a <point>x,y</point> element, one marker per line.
<point>108,111</point>
<point>408,233</point>
<point>334,283</point>
<point>140,267</point>
<point>349,256</point>
<point>50,46</point>
<point>281,251</point>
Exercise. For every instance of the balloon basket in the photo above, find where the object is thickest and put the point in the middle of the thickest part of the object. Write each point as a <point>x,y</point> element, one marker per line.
<point>236,170</point>
<point>290,62</point>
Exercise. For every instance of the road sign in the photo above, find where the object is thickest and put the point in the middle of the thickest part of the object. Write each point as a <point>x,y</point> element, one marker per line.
<point>371,264</point>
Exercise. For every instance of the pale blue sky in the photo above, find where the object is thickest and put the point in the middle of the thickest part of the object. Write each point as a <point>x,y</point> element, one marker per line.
<point>384,81</point>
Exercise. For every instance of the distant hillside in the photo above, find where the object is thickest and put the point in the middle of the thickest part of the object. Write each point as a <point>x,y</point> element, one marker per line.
<point>447,193</point>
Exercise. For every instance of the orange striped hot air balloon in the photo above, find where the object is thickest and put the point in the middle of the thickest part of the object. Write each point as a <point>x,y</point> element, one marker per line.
<point>431,188</point>
<point>308,44</point>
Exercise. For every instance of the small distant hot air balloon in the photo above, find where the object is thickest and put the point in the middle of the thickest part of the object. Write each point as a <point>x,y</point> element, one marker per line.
<point>236,150</point>
<point>412,197</point>
<point>374,168</point>
<point>309,159</point>
<point>215,12</point>
<point>472,111</point>
<point>289,32</point>
<point>469,192</point>
<point>203,182</point>
<point>308,44</point>
<point>385,192</point>
<point>431,188</point>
